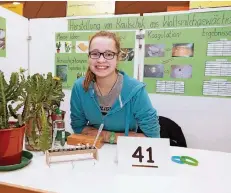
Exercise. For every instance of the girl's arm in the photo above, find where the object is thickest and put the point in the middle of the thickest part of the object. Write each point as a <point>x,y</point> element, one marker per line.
<point>78,120</point>
<point>145,114</point>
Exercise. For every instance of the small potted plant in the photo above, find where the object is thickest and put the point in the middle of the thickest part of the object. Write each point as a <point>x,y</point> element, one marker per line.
<point>58,46</point>
<point>12,123</point>
<point>67,47</point>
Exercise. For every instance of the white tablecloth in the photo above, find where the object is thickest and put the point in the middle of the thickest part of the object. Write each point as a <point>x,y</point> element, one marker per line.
<point>213,175</point>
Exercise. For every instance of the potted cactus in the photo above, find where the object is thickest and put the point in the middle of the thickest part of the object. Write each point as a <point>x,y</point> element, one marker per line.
<point>44,94</point>
<point>12,123</point>
<point>58,46</point>
<point>26,105</point>
<point>67,47</point>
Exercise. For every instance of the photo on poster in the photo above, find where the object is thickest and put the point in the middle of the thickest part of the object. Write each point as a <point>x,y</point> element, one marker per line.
<point>80,74</point>
<point>2,39</point>
<point>181,71</point>
<point>67,46</point>
<point>183,50</point>
<point>63,46</point>
<point>61,72</point>
<point>154,50</point>
<point>82,46</point>
<point>154,71</point>
<point>127,54</point>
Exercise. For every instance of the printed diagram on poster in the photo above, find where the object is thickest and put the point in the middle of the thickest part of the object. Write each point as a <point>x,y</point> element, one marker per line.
<point>63,46</point>
<point>183,50</point>
<point>127,54</point>
<point>177,63</point>
<point>71,55</point>
<point>82,47</point>
<point>2,37</point>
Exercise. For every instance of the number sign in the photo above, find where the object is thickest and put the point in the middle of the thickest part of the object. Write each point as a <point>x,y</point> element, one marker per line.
<point>138,154</point>
<point>141,152</point>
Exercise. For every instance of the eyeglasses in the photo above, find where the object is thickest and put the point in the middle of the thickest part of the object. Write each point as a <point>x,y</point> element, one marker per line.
<point>107,55</point>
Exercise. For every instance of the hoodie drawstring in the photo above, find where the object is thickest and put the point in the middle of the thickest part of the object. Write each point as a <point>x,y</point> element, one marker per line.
<point>121,103</point>
<point>127,118</point>
<point>127,111</point>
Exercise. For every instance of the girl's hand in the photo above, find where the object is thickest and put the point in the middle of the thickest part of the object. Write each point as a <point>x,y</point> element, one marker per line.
<point>90,131</point>
<point>134,134</point>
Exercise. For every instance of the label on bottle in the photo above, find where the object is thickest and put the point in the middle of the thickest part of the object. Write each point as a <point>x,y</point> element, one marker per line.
<point>59,138</point>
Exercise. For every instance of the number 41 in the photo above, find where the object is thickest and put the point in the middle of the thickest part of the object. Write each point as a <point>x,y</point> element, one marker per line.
<point>138,154</point>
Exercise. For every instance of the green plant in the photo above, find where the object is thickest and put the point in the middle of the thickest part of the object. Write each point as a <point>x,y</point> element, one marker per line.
<point>11,93</point>
<point>58,45</point>
<point>67,47</point>
<point>30,101</point>
<point>44,94</point>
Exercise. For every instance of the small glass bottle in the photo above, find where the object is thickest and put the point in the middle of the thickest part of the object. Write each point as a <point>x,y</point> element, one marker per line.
<point>58,131</point>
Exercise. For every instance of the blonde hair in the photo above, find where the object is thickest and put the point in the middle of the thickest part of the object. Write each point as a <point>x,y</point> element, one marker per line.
<point>90,76</point>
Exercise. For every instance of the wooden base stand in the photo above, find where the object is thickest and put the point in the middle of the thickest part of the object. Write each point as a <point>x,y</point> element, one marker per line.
<point>69,152</point>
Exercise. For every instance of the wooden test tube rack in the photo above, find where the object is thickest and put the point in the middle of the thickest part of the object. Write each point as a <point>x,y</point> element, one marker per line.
<point>70,151</point>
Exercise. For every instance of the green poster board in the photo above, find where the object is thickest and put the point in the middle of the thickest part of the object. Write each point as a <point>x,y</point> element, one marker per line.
<point>113,23</point>
<point>190,19</point>
<point>191,51</point>
<point>2,37</point>
<point>71,55</point>
<point>188,61</point>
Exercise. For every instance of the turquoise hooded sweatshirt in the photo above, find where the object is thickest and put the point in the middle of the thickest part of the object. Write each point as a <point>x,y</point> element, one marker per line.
<point>132,109</point>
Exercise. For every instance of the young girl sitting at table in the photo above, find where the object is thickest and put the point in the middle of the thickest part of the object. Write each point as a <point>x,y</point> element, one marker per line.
<point>108,98</point>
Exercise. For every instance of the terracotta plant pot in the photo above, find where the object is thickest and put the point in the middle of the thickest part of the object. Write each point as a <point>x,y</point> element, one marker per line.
<point>11,145</point>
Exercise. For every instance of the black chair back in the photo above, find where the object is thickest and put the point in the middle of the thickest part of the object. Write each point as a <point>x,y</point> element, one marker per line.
<point>170,129</point>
